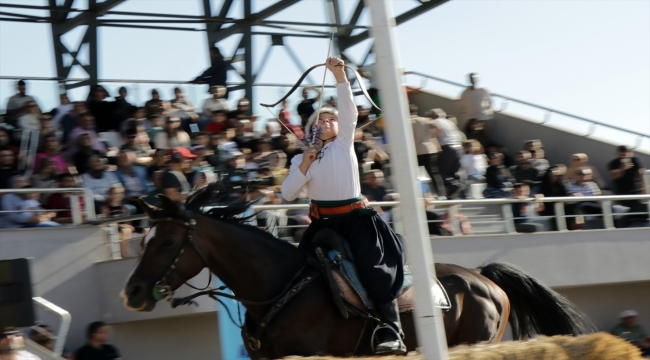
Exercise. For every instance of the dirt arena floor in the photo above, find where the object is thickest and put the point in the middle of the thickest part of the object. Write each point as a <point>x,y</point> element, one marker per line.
<point>599,346</point>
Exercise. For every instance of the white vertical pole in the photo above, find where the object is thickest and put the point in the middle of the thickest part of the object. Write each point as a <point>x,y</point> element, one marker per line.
<point>428,318</point>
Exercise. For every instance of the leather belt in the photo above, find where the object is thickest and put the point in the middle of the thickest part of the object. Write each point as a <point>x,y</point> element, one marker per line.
<point>317,212</point>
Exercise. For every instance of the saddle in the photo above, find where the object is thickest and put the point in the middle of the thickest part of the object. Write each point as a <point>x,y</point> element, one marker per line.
<point>336,263</point>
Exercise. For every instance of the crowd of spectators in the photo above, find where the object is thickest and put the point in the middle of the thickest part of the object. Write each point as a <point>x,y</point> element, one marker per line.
<point>123,152</point>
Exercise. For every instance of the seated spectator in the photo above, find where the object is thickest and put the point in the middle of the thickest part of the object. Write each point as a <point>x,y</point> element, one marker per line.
<point>136,120</point>
<point>132,177</point>
<point>158,163</point>
<point>524,171</point>
<point>137,142</point>
<point>47,127</point>
<point>114,207</point>
<point>538,162</point>
<point>374,190</point>
<point>12,345</point>
<point>531,145</point>
<point>174,182</point>
<point>24,209</point>
<point>520,209</point>
<point>499,179</point>
<point>97,335</point>
<point>50,150</point>
<point>172,136</point>
<point>71,119</point>
<point>7,167</point>
<point>554,185</point>
<point>244,138</point>
<point>241,111</point>
<point>5,140</point>
<point>85,151</point>
<point>157,122</point>
<point>580,160</point>
<point>203,178</point>
<point>216,102</point>
<point>219,122</point>
<point>98,180</point>
<point>152,197</point>
<point>632,332</point>
<point>61,201</point>
<point>45,177</point>
<point>474,161</point>
<point>627,172</point>
<point>264,151</point>
<point>86,126</point>
<point>475,130</point>
<point>583,186</point>
<point>153,106</point>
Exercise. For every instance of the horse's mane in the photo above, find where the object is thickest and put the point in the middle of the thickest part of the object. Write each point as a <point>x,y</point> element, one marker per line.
<point>217,202</point>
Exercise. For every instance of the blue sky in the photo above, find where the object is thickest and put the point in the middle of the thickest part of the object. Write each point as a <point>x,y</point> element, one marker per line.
<point>590,58</point>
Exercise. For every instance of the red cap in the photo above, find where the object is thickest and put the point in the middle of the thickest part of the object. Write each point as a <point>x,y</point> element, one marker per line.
<point>184,152</point>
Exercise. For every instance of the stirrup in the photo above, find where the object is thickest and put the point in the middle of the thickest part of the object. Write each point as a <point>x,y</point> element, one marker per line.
<point>401,350</point>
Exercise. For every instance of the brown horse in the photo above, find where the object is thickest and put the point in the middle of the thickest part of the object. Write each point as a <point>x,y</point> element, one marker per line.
<point>256,266</point>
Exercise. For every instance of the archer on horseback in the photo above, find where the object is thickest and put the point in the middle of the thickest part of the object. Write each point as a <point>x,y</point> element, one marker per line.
<point>328,171</point>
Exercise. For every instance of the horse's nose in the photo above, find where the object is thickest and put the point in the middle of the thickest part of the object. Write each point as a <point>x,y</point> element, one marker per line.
<point>134,290</point>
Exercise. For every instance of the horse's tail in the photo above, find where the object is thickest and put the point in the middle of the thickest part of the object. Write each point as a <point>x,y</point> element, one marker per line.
<point>535,308</point>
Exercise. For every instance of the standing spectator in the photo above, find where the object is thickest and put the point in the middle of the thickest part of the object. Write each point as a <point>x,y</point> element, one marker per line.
<point>30,127</point>
<point>114,207</point>
<point>101,110</point>
<point>474,161</point>
<point>581,160</point>
<point>627,172</point>
<point>475,102</point>
<point>174,183</point>
<point>306,107</point>
<point>61,201</point>
<point>153,106</point>
<point>632,332</point>
<point>12,345</point>
<point>427,149</point>
<point>98,180</point>
<point>216,102</point>
<point>449,158</point>
<point>520,209</point>
<point>475,129</point>
<point>122,107</point>
<point>86,126</point>
<point>217,73</point>
<point>7,167</point>
<point>16,104</point>
<point>172,136</point>
<point>71,119</point>
<point>524,172</point>
<point>499,179</point>
<point>19,205</point>
<point>50,150</point>
<point>96,348</point>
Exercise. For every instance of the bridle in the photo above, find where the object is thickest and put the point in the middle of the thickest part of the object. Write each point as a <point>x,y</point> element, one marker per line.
<point>162,289</point>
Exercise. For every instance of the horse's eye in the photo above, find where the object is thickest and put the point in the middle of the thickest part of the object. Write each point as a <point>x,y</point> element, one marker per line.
<point>168,242</point>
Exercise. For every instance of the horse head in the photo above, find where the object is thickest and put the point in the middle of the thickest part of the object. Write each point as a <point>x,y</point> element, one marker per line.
<point>169,257</point>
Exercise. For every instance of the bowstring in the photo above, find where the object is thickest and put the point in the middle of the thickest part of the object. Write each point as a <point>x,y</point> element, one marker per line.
<point>304,147</point>
<point>322,86</point>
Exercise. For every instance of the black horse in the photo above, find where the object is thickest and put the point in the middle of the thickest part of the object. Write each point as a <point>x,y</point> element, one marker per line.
<point>257,266</point>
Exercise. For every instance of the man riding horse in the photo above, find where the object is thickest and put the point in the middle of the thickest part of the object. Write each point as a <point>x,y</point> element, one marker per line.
<point>329,172</point>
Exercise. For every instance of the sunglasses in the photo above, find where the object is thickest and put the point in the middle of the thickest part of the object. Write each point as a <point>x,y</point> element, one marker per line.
<point>8,334</point>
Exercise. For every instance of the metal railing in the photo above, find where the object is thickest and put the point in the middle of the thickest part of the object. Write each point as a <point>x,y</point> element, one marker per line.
<point>75,208</point>
<point>451,207</point>
<point>64,326</point>
<point>548,112</point>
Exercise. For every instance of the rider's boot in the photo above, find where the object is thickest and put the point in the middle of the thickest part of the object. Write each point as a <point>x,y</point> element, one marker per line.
<point>389,334</point>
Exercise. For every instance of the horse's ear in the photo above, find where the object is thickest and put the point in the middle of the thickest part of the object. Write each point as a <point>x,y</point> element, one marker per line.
<point>149,209</point>
<point>169,205</point>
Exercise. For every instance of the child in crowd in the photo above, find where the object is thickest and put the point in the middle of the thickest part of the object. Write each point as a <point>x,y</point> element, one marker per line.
<point>520,209</point>
<point>113,207</point>
<point>474,161</point>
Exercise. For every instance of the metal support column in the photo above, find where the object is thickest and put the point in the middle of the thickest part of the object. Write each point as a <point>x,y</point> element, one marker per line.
<point>428,319</point>
<point>249,77</point>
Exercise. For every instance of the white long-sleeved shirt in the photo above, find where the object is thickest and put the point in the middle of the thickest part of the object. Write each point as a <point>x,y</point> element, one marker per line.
<point>336,175</point>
